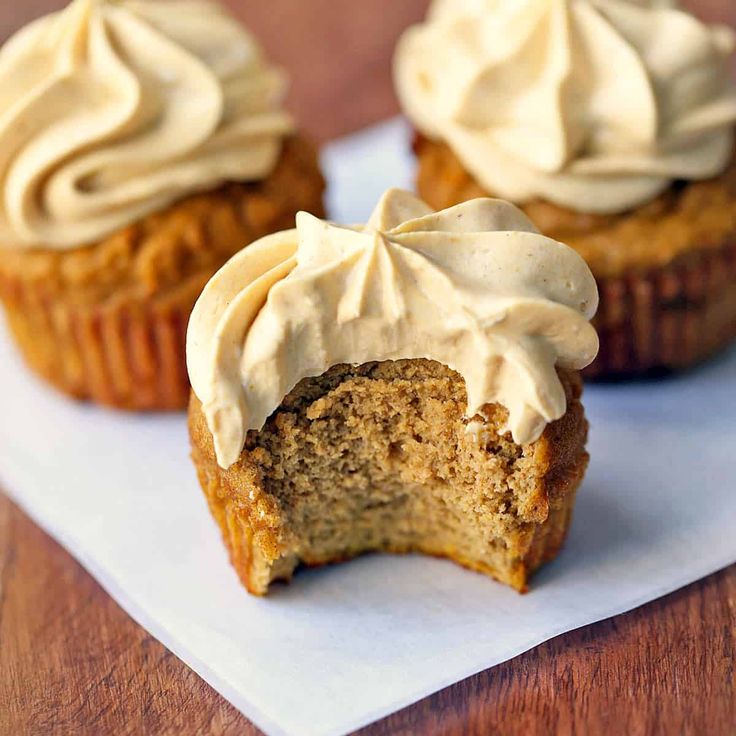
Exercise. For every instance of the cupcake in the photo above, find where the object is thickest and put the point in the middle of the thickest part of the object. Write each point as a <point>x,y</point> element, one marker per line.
<point>142,143</point>
<point>611,124</point>
<point>407,386</point>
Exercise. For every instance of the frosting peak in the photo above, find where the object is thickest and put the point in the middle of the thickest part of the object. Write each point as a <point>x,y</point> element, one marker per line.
<point>595,105</point>
<point>112,109</point>
<point>475,287</point>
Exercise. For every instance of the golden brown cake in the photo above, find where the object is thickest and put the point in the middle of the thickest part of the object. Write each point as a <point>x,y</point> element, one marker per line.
<point>143,144</point>
<point>377,458</point>
<point>580,114</point>
<point>407,386</point>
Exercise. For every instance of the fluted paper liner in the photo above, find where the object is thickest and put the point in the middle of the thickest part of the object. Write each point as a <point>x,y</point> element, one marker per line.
<point>128,356</point>
<point>667,318</point>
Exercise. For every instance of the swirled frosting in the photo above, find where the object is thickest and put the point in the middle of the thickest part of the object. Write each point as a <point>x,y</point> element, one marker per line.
<point>113,109</point>
<point>595,105</point>
<point>474,287</point>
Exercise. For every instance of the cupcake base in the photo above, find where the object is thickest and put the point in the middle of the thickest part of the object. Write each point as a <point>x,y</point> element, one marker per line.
<point>666,273</point>
<point>127,356</point>
<point>376,458</point>
<point>666,319</point>
<point>107,322</point>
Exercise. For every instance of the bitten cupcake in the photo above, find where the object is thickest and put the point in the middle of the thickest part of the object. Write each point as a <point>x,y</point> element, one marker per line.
<point>142,143</point>
<point>611,123</point>
<point>409,385</point>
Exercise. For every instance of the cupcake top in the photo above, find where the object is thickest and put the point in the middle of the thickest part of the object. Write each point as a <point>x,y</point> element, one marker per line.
<point>113,109</point>
<point>595,105</point>
<point>474,287</point>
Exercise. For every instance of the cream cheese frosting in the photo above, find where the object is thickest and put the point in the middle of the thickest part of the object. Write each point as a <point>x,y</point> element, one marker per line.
<point>113,109</point>
<point>475,287</point>
<point>595,105</point>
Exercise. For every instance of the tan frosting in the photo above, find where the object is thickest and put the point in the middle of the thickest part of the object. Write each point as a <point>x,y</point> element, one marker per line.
<point>596,105</point>
<point>110,110</point>
<point>474,287</point>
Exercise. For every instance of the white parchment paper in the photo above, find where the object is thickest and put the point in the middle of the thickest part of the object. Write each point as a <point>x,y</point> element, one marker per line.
<point>343,646</point>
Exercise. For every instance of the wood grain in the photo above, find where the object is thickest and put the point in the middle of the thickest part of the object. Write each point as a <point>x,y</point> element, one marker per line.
<point>72,662</point>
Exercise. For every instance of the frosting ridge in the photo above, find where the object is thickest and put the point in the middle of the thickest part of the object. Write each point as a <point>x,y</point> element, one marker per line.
<point>596,105</point>
<point>111,110</point>
<point>475,287</point>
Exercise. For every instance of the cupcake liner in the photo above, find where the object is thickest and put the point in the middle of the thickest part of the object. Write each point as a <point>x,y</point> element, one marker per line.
<point>668,318</point>
<point>126,356</point>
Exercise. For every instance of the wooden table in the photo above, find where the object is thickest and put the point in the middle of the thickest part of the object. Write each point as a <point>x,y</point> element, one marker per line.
<point>72,662</point>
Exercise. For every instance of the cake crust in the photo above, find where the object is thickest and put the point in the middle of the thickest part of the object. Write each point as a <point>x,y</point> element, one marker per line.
<point>377,458</point>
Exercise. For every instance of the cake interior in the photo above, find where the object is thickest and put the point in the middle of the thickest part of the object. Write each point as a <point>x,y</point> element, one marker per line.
<point>378,458</point>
